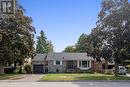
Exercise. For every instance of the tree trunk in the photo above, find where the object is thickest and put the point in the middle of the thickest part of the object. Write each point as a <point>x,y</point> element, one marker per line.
<point>20,70</point>
<point>116,59</point>
<point>1,69</point>
<point>116,69</point>
<point>15,65</point>
<point>106,65</point>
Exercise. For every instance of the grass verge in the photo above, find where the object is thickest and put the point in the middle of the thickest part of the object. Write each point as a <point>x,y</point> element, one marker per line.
<point>81,77</point>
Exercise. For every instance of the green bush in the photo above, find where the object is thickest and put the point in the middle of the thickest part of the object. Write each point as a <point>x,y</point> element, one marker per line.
<point>108,72</point>
<point>128,69</point>
<point>28,69</point>
<point>18,69</point>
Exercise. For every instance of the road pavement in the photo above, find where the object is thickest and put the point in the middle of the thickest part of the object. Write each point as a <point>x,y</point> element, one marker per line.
<point>65,84</point>
<point>32,81</point>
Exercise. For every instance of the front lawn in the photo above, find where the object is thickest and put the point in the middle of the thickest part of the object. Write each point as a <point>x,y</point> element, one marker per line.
<point>81,77</point>
<point>8,76</point>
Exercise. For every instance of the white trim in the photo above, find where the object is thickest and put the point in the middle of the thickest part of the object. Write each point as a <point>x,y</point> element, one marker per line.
<point>90,64</point>
<point>61,63</point>
<point>78,63</point>
<point>84,68</point>
<point>54,62</point>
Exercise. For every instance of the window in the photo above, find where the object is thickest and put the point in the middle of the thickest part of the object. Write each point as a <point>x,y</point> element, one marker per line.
<point>57,62</point>
<point>84,64</point>
<point>80,62</point>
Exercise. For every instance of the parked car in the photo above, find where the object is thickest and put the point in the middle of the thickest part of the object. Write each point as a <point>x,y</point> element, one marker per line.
<point>122,70</point>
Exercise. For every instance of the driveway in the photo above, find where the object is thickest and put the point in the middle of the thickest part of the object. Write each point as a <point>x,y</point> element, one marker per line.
<point>64,84</point>
<point>26,78</point>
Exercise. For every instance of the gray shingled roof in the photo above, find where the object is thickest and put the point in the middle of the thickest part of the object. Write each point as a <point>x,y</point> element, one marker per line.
<point>62,56</point>
<point>40,57</point>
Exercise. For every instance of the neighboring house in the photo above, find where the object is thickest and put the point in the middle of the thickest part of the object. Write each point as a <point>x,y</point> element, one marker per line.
<point>62,62</point>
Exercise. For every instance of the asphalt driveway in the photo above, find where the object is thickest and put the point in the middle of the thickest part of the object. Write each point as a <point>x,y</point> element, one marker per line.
<point>26,78</point>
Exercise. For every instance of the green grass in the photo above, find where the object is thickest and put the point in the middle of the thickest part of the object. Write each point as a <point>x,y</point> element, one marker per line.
<point>77,77</point>
<point>7,76</point>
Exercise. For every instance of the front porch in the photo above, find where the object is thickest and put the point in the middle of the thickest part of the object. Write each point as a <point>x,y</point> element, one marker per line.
<point>78,65</point>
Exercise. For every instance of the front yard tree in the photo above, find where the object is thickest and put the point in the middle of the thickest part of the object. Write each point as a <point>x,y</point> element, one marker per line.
<point>114,23</point>
<point>16,42</point>
<point>93,44</point>
<point>43,45</point>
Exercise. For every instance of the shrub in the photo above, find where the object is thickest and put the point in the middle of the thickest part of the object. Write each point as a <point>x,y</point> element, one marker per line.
<point>28,69</point>
<point>109,72</point>
<point>17,70</point>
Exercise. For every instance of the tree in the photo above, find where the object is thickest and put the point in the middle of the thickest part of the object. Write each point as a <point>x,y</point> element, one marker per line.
<point>95,44</point>
<point>114,30</point>
<point>43,45</point>
<point>81,45</point>
<point>50,47</point>
<point>17,35</point>
<point>70,49</point>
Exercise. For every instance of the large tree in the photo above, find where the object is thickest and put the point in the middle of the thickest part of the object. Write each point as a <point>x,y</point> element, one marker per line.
<point>70,49</point>
<point>50,47</point>
<point>43,45</point>
<point>113,28</point>
<point>16,37</point>
<point>81,45</point>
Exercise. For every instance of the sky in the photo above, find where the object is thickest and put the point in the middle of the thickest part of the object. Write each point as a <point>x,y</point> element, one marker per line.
<point>63,21</point>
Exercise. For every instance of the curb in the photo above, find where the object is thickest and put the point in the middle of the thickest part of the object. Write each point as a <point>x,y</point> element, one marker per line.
<point>90,81</point>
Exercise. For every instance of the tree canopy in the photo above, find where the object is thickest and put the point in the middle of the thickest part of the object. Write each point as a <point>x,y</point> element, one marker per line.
<point>43,45</point>
<point>113,31</point>
<point>16,37</point>
<point>110,39</point>
<point>81,45</point>
<point>70,49</point>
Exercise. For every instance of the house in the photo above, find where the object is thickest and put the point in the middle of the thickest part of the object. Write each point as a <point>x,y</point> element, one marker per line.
<point>62,62</point>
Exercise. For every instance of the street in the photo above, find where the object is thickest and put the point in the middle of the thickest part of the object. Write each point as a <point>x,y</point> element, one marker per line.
<point>64,84</point>
<point>33,81</point>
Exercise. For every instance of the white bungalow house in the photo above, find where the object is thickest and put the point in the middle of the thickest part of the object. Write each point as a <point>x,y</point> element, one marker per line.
<point>61,62</point>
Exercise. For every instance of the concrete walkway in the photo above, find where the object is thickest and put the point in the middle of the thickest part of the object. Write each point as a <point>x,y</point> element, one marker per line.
<point>26,78</point>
